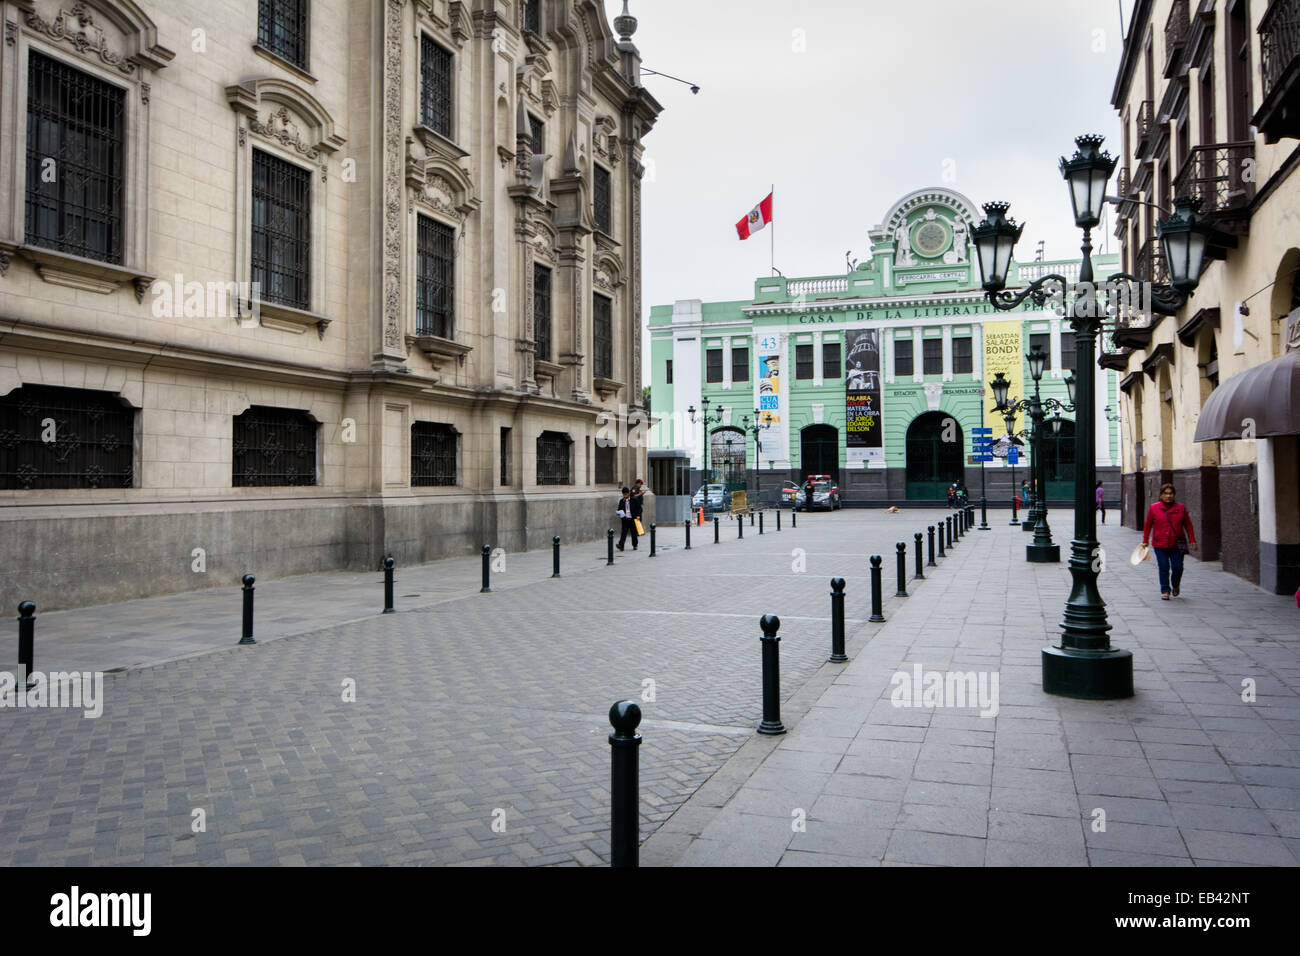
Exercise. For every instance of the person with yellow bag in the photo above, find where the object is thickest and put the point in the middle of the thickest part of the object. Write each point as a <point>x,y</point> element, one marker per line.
<point>625,516</point>
<point>638,505</point>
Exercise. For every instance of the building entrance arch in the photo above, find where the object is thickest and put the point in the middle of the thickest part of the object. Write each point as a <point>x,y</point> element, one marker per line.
<point>934,456</point>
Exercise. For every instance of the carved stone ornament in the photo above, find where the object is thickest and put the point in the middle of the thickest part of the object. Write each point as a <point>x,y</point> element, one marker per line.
<point>394,151</point>
<point>11,33</point>
<point>603,280</point>
<point>280,128</point>
<point>77,27</point>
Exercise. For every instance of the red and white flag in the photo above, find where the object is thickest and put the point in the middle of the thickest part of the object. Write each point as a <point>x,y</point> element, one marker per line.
<point>757,219</point>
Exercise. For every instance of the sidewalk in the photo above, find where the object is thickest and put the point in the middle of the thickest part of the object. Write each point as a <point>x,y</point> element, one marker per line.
<point>1184,773</point>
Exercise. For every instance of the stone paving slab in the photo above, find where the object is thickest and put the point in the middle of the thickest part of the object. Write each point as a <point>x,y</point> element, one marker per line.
<point>1190,771</point>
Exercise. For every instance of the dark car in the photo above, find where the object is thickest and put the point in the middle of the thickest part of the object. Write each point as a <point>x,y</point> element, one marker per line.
<point>826,494</point>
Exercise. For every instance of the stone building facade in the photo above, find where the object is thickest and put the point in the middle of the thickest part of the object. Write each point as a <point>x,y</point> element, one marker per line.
<point>1209,98</point>
<point>877,376</point>
<point>292,285</point>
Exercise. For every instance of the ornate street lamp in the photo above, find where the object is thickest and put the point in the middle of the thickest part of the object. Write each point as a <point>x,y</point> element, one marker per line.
<point>759,426</point>
<point>1083,664</point>
<point>715,419</point>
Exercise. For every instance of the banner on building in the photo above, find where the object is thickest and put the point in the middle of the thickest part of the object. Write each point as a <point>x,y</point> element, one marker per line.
<point>863,424</point>
<point>770,400</point>
<point>1002,353</point>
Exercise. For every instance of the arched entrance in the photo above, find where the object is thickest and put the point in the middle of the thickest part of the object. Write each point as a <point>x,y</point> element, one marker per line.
<point>727,458</point>
<point>819,451</point>
<point>1058,459</point>
<point>934,456</point>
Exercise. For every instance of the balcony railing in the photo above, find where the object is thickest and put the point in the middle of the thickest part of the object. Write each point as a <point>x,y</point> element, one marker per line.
<point>1146,121</point>
<point>1221,176</point>
<point>1279,66</point>
<point>1150,262</point>
<point>1177,27</point>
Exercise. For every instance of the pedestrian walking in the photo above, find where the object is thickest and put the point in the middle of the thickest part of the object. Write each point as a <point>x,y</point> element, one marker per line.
<point>625,515</point>
<point>1026,492</point>
<point>952,496</point>
<point>1168,528</point>
<point>638,504</point>
<point>1101,501</point>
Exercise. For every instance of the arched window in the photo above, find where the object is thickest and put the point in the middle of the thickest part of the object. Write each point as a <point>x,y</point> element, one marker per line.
<point>54,437</point>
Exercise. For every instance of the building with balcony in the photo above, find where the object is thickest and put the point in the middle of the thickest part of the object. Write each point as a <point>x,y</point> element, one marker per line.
<point>1210,108</point>
<point>292,285</point>
<point>875,376</point>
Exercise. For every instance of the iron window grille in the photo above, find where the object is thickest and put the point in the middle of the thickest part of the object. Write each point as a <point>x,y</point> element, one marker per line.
<point>433,455</point>
<point>932,356</point>
<point>604,464</point>
<point>713,365</point>
<point>554,459</point>
<point>740,365</point>
<point>962,359</point>
<point>274,447</point>
<point>603,337</point>
<point>281,255</point>
<point>603,199</point>
<point>505,457</point>
<point>803,361</point>
<point>282,29</point>
<point>75,158</point>
<point>533,16</point>
<point>435,87</point>
<point>831,360</point>
<point>1043,341</point>
<point>537,133</point>
<point>903,357</point>
<point>542,311</point>
<point>54,437</point>
<point>435,313</point>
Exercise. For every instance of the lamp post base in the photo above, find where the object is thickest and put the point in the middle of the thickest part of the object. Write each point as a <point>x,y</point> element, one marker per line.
<point>1043,553</point>
<point>1027,524</point>
<point>1088,675</point>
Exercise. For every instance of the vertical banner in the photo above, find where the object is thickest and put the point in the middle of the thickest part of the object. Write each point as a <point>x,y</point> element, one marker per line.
<point>1002,353</point>
<point>862,418</point>
<point>770,400</point>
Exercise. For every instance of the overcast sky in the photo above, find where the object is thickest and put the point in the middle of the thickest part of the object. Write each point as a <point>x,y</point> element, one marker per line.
<point>848,106</point>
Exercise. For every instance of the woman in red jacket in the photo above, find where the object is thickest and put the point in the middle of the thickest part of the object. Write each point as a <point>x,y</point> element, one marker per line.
<point>1168,522</point>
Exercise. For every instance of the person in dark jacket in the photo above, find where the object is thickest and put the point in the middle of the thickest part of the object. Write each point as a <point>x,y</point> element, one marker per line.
<point>625,516</point>
<point>1167,523</point>
<point>808,490</point>
<point>638,498</point>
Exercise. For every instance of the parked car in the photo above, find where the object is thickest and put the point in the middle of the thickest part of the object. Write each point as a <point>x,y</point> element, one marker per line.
<point>826,494</point>
<point>717,498</point>
<point>789,492</point>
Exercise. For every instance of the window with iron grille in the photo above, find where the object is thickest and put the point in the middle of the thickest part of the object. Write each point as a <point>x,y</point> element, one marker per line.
<point>831,360</point>
<point>903,357</point>
<point>803,361</point>
<point>604,464</point>
<point>1042,340</point>
<point>281,230</point>
<point>713,365</point>
<point>505,457</point>
<point>65,438</point>
<point>282,29</point>
<point>1069,351</point>
<point>533,15</point>
<point>542,311</point>
<point>932,356</point>
<point>435,87</point>
<point>962,360</point>
<point>668,371</point>
<point>602,337</point>
<point>554,459</point>
<point>603,191</point>
<point>274,446</point>
<point>75,158</point>
<point>537,133</point>
<point>740,365</point>
<point>435,276</point>
<point>433,454</point>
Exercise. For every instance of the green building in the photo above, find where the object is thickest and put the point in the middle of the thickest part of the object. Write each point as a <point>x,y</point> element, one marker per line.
<point>876,376</point>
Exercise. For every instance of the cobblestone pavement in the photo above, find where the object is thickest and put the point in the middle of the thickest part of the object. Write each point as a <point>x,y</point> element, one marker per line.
<point>1193,770</point>
<point>478,733</point>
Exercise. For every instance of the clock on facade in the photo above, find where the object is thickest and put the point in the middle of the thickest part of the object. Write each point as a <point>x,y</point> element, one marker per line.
<point>931,239</point>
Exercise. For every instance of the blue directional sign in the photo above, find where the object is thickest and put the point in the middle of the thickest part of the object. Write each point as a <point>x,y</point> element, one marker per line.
<point>981,445</point>
<point>1013,455</point>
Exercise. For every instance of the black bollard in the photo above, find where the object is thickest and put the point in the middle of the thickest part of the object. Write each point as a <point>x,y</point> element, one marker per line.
<point>902,569</point>
<point>247,636</point>
<point>778,517</point>
<point>609,541</point>
<point>388,585</point>
<point>688,535</point>
<point>877,597</point>
<point>555,556</point>
<point>794,519</point>
<point>715,529</point>
<point>27,640</point>
<point>771,724</point>
<point>751,519</point>
<point>760,522</point>
<point>487,569</point>
<point>837,622</point>
<point>652,539</point>
<point>941,554</point>
<point>625,818</point>
<point>929,534</point>
<point>920,574</point>
<point>740,526</point>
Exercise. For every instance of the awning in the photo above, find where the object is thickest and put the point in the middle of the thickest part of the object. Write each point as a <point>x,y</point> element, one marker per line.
<point>1267,395</point>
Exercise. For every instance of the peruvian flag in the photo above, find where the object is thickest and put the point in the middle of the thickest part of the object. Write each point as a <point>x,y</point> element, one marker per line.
<point>757,219</point>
